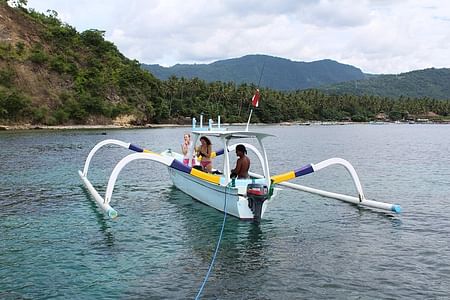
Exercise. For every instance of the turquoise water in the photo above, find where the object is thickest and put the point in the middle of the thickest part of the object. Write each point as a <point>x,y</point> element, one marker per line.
<point>55,243</point>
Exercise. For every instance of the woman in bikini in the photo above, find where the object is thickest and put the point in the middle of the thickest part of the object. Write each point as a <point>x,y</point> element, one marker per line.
<point>205,151</point>
<point>186,149</point>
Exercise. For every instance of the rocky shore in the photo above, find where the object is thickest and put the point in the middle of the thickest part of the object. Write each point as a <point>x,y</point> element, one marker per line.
<point>128,126</point>
<point>82,127</point>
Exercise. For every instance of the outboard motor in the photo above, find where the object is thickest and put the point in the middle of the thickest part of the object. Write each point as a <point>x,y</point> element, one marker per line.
<point>257,193</point>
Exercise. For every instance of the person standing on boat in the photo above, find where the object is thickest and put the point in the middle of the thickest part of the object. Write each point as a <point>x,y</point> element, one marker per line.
<point>186,149</point>
<point>242,164</point>
<point>205,151</point>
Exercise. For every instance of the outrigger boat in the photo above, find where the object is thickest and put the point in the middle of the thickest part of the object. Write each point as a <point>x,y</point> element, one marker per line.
<point>244,198</point>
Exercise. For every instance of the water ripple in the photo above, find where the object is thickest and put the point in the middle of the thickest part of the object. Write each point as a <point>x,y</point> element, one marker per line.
<point>56,243</point>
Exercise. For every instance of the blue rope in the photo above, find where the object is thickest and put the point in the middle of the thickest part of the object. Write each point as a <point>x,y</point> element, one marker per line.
<point>217,248</point>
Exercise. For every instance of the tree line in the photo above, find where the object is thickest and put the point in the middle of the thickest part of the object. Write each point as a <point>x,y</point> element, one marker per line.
<point>188,97</point>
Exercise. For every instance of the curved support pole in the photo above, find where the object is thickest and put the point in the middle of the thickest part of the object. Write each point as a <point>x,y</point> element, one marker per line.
<point>108,142</point>
<point>266,163</point>
<point>98,146</point>
<point>112,213</point>
<point>127,159</point>
<point>226,162</point>
<point>348,167</point>
<point>100,201</point>
<point>323,164</point>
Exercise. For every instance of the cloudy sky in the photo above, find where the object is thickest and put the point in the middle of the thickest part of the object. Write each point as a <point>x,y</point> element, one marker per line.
<point>377,36</point>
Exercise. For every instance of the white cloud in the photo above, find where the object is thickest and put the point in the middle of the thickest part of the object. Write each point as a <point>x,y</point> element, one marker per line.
<point>377,36</point>
<point>345,13</point>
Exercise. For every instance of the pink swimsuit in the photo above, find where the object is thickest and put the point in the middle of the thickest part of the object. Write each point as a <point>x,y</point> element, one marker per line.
<point>205,163</point>
<point>186,161</point>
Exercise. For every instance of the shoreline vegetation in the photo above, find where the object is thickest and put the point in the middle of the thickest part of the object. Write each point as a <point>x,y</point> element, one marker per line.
<point>23,127</point>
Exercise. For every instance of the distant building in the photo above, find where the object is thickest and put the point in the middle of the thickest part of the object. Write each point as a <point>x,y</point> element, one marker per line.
<point>427,117</point>
<point>381,116</point>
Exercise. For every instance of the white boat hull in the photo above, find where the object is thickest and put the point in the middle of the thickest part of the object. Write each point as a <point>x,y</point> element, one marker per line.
<point>214,195</point>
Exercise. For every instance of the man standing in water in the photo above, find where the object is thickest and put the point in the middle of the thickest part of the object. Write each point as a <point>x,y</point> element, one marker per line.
<point>242,164</point>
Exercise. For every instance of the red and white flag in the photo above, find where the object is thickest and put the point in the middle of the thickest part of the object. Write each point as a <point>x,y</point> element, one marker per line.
<point>255,99</point>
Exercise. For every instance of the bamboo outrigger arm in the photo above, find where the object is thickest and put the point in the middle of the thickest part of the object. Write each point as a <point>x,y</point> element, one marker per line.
<point>316,167</point>
<point>310,168</point>
<point>112,213</point>
<point>104,202</point>
<point>126,160</point>
<point>142,153</point>
<point>110,142</point>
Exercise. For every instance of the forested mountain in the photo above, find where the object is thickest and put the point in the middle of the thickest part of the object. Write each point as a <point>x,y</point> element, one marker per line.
<point>326,75</point>
<point>431,83</point>
<point>51,74</point>
<point>277,73</point>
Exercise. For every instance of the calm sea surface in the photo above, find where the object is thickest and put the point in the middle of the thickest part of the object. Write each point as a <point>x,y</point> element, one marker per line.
<point>55,243</point>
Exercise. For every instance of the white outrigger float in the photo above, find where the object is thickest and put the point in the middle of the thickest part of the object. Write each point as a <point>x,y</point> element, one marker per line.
<point>244,198</point>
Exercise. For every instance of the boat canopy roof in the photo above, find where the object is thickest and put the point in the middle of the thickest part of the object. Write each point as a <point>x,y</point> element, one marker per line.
<point>232,134</point>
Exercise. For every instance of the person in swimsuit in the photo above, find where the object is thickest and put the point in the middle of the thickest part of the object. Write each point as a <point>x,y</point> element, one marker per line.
<point>205,151</point>
<point>242,164</point>
<point>186,150</point>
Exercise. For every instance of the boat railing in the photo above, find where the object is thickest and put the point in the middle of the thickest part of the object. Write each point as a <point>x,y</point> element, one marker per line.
<point>210,125</point>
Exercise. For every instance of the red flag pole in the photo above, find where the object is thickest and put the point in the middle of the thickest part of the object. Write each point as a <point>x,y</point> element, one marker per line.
<point>255,98</point>
<point>249,117</point>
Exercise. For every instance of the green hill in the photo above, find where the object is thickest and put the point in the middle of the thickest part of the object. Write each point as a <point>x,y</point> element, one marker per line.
<point>51,74</point>
<point>279,73</point>
<point>430,83</point>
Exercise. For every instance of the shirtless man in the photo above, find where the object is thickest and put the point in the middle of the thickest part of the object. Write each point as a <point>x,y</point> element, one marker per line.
<point>242,164</point>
